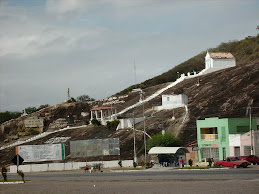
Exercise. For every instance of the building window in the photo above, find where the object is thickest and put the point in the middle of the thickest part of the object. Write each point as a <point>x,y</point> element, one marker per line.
<point>247,150</point>
<point>168,99</point>
<point>210,153</point>
<point>237,151</point>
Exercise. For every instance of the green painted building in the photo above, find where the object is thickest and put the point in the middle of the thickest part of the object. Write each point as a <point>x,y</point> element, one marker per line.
<point>213,135</point>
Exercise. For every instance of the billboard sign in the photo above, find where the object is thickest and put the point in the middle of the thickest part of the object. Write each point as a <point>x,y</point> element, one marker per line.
<point>37,153</point>
<point>95,147</point>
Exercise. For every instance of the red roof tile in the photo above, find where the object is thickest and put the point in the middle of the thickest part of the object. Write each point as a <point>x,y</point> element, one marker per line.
<point>103,108</point>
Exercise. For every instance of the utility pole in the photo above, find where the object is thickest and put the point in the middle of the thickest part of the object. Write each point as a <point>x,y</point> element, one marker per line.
<point>145,144</point>
<point>251,130</point>
<point>134,139</point>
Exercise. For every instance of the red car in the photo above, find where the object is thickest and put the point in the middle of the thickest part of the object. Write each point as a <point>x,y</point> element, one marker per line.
<point>251,158</point>
<point>234,162</point>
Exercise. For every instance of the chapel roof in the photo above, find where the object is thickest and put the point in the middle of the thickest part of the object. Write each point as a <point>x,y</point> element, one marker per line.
<point>221,55</point>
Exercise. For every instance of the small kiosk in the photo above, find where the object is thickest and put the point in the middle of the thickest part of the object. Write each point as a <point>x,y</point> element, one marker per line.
<point>168,156</point>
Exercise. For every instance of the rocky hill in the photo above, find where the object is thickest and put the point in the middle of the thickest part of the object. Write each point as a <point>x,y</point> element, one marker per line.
<point>225,93</point>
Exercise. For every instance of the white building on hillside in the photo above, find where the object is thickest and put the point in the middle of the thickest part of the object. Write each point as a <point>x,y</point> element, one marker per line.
<point>172,101</point>
<point>218,61</point>
<point>104,114</point>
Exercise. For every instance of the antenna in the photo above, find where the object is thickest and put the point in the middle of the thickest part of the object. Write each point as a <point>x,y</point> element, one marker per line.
<point>135,74</point>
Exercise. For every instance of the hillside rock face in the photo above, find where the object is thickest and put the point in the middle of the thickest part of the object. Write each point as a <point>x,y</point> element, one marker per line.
<point>52,119</point>
<point>225,94</point>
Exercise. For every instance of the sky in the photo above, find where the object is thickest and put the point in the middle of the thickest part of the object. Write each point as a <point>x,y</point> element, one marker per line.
<point>90,46</point>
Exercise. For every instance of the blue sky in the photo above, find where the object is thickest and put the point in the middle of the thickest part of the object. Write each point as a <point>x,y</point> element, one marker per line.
<point>90,46</point>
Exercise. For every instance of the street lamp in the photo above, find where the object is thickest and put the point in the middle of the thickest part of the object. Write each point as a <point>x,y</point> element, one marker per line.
<point>177,75</point>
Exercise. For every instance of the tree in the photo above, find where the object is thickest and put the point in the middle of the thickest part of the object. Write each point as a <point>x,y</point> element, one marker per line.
<point>6,116</point>
<point>43,106</point>
<point>113,124</point>
<point>166,140</point>
<point>30,110</point>
<point>84,98</point>
<point>95,122</point>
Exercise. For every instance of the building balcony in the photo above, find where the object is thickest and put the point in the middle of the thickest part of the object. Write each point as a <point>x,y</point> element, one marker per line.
<point>209,137</point>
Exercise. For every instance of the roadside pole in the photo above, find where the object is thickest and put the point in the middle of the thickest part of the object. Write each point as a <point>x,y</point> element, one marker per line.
<point>134,139</point>
<point>17,161</point>
<point>251,130</point>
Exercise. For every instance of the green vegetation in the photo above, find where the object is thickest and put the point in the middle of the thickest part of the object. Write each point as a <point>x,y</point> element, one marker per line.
<point>134,164</point>
<point>190,162</point>
<point>112,124</point>
<point>245,50</point>
<point>33,132</point>
<point>96,122</point>
<point>197,167</point>
<point>6,116</point>
<point>84,98</point>
<point>4,173</point>
<point>166,140</point>
<point>30,110</point>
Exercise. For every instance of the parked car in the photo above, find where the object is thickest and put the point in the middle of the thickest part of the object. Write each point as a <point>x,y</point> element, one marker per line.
<point>204,163</point>
<point>234,162</point>
<point>250,158</point>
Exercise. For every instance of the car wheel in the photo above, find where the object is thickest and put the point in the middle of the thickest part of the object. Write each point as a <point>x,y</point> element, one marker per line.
<point>254,163</point>
<point>245,166</point>
<point>221,165</point>
<point>235,166</point>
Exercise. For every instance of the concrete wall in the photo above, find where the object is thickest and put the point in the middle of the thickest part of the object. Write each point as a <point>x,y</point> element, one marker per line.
<point>234,141</point>
<point>68,166</point>
<point>128,123</point>
<point>223,63</point>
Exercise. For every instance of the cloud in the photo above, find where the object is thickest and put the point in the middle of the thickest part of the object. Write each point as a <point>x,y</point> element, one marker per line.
<point>90,45</point>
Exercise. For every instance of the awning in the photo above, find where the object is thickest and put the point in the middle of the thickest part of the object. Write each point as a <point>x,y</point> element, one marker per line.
<point>168,150</point>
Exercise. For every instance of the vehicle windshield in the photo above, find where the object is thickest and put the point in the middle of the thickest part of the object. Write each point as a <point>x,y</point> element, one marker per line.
<point>235,159</point>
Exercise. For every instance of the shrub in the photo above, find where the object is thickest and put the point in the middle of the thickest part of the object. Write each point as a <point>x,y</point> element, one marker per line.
<point>142,163</point>
<point>33,132</point>
<point>21,174</point>
<point>120,163</point>
<point>112,124</point>
<point>4,173</point>
<point>209,161</point>
<point>134,164</point>
<point>96,122</point>
<point>87,122</point>
<point>166,140</point>
<point>190,162</point>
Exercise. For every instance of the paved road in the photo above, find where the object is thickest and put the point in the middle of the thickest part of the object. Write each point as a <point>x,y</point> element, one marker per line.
<point>154,181</point>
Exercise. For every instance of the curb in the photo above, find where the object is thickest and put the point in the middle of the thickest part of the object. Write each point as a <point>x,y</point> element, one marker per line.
<point>14,182</point>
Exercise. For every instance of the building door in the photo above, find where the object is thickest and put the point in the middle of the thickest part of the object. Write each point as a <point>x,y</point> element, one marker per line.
<point>237,151</point>
<point>224,153</point>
